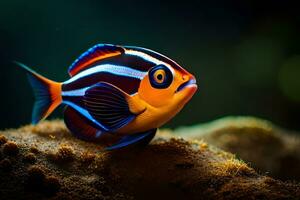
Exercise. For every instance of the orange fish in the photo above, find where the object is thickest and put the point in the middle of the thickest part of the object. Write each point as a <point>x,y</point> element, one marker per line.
<point>121,90</point>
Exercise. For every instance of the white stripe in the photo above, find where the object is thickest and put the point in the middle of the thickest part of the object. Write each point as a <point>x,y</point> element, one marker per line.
<point>84,113</point>
<point>133,94</point>
<point>145,57</point>
<point>78,92</point>
<point>148,58</point>
<point>109,68</point>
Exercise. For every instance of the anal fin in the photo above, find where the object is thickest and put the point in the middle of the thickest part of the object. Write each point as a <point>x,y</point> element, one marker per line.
<point>139,138</point>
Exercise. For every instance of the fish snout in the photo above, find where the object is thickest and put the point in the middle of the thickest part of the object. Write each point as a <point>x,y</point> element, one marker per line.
<point>189,81</point>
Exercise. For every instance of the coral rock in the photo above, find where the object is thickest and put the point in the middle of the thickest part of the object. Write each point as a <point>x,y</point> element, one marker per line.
<point>3,139</point>
<point>268,148</point>
<point>30,157</point>
<point>10,148</point>
<point>167,168</point>
<point>5,164</point>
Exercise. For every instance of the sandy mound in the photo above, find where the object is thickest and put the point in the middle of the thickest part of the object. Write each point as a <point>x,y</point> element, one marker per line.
<point>47,162</point>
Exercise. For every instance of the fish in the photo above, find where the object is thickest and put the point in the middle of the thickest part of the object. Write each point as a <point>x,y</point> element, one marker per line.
<point>126,91</point>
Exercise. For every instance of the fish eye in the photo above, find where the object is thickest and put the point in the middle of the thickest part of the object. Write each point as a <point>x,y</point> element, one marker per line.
<point>160,76</point>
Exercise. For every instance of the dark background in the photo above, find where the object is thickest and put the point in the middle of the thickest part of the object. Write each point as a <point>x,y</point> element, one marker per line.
<point>245,54</point>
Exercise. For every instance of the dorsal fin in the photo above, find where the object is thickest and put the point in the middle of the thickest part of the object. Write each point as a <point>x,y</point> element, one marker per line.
<point>94,54</point>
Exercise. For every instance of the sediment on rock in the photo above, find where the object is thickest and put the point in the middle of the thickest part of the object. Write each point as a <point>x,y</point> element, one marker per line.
<point>263,145</point>
<point>51,163</point>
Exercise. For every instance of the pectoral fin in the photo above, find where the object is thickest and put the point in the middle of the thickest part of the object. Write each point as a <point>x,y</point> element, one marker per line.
<point>144,138</point>
<point>111,106</point>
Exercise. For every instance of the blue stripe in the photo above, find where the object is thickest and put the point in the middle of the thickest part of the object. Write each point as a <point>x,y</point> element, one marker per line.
<point>109,68</point>
<point>85,113</point>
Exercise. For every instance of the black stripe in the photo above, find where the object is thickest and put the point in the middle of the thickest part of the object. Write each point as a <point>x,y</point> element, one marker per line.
<point>127,84</point>
<point>156,55</point>
<point>133,62</point>
<point>76,100</point>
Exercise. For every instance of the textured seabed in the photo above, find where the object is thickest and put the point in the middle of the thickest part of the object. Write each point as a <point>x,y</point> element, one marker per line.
<point>47,162</point>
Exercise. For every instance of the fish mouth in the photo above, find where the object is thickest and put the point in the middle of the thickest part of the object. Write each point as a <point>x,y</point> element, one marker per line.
<point>186,84</point>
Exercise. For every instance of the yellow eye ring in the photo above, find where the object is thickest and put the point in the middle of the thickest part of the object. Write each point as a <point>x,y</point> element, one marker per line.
<point>159,76</point>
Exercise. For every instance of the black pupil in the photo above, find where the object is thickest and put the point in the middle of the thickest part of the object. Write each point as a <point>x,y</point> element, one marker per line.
<point>159,77</point>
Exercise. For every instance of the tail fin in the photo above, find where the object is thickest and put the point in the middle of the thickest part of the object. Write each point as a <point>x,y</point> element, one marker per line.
<point>47,94</point>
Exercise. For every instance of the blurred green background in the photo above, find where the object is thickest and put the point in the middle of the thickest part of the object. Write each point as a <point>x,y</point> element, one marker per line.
<point>244,54</point>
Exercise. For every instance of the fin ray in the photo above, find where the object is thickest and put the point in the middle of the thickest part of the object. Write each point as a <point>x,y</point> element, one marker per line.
<point>117,105</point>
